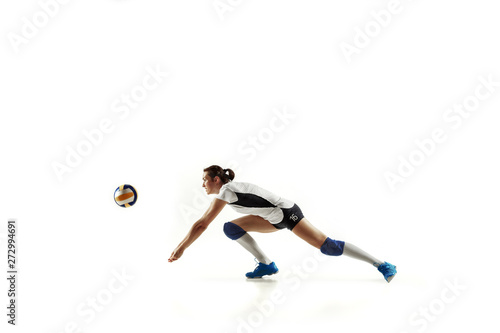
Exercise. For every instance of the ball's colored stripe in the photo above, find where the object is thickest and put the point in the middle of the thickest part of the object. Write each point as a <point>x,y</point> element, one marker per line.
<point>129,200</point>
<point>124,196</point>
<point>121,187</point>
<point>126,201</point>
<point>127,205</point>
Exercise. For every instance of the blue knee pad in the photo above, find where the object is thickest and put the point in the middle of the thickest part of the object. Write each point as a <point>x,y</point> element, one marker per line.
<point>233,231</point>
<point>332,247</point>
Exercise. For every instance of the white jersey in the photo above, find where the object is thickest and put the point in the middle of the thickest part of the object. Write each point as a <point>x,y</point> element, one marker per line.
<point>250,199</point>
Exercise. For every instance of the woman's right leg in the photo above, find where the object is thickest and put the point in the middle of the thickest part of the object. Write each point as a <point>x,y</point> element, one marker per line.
<point>305,230</point>
<point>237,230</point>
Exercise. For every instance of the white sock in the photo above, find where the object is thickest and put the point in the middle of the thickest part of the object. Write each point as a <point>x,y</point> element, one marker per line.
<point>355,252</point>
<point>251,246</point>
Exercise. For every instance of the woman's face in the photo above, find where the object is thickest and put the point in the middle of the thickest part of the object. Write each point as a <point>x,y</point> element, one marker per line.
<point>211,186</point>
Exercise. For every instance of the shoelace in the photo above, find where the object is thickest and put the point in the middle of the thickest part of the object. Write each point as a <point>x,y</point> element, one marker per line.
<point>257,265</point>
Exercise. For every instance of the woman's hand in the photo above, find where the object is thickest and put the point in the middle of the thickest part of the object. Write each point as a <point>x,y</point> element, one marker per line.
<point>176,254</point>
<point>198,228</point>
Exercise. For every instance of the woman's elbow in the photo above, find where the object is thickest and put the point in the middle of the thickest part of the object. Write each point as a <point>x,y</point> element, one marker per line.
<point>202,225</point>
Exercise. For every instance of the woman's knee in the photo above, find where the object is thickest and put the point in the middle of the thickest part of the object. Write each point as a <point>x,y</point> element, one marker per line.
<point>233,231</point>
<point>332,247</point>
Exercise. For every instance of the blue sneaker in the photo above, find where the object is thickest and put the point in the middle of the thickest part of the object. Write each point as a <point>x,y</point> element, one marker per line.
<point>388,270</point>
<point>263,269</point>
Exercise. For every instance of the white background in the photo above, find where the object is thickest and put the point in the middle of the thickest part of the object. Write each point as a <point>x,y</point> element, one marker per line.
<point>228,76</point>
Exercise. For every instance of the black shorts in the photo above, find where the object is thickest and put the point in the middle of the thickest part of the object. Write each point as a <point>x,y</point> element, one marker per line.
<point>291,216</point>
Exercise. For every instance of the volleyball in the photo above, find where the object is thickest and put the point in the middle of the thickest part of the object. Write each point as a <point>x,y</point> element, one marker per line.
<point>125,196</point>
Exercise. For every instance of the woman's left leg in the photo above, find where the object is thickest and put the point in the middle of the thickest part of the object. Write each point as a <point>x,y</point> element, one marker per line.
<point>238,230</point>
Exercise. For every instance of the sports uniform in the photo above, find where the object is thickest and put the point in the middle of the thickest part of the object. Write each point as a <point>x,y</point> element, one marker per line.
<point>247,198</point>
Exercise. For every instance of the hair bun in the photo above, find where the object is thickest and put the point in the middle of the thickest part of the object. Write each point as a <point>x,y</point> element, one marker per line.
<point>215,171</point>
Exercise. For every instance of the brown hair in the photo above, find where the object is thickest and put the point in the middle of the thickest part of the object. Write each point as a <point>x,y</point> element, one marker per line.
<point>225,175</point>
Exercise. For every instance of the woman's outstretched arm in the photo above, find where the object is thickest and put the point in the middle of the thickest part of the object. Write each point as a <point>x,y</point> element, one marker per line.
<point>198,227</point>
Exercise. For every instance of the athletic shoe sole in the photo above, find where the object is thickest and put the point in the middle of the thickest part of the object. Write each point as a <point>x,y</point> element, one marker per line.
<point>260,277</point>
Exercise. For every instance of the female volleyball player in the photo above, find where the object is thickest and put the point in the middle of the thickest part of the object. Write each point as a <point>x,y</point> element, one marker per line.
<point>267,213</point>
